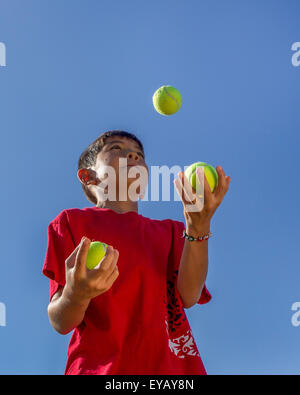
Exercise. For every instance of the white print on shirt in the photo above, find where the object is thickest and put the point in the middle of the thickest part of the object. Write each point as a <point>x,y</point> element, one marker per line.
<point>183,345</point>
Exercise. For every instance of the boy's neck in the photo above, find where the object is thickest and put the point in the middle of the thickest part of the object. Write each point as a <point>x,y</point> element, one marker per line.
<point>119,207</point>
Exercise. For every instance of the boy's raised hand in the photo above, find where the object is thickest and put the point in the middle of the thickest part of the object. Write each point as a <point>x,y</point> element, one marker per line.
<point>198,212</point>
<point>83,284</point>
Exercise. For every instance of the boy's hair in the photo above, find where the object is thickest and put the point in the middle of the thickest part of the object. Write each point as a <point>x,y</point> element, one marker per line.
<point>88,157</point>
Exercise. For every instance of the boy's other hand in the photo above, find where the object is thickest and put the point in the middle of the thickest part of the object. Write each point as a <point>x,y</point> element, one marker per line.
<point>198,213</point>
<point>83,284</point>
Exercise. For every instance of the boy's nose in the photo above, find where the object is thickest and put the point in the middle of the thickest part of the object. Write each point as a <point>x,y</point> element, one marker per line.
<point>132,156</point>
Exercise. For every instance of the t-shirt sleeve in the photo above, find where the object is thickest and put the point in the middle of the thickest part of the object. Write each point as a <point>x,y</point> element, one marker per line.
<point>60,245</point>
<point>175,257</point>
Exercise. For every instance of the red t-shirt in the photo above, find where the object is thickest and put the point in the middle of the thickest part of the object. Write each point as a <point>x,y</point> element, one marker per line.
<point>139,325</point>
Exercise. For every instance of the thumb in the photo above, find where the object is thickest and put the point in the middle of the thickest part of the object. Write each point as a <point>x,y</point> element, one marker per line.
<point>81,256</point>
<point>70,261</point>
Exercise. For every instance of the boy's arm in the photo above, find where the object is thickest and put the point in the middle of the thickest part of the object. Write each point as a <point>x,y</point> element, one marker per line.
<point>198,213</point>
<point>65,313</point>
<point>193,268</point>
<point>68,305</point>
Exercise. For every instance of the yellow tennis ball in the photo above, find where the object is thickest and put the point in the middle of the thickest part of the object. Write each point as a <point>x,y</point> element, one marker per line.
<point>167,100</point>
<point>209,171</point>
<point>96,253</point>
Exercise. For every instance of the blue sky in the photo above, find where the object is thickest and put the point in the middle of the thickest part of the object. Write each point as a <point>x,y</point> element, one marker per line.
<point>75,69</point>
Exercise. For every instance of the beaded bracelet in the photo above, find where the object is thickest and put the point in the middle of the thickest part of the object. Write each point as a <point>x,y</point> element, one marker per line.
<point>199,238</point>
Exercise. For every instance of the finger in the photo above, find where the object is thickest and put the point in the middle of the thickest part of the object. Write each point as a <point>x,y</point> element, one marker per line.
<point>221,188</point>
<point>227,182</point>
<point>112,277</point>
<point>208,196</point>
<point>199,185</point>
<point>195,206</point>
<point>109,283</point>
<point>180,191</point>
<point>184,189</point>
<point>196,199</point>
<point>190,192</point>
<point>81,257</point>
<point>70,261</point>
<point>107,263</point>
<point>113,263</point>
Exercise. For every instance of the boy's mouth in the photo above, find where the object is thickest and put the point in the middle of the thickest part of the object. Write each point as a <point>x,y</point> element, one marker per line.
<point>131,164</point>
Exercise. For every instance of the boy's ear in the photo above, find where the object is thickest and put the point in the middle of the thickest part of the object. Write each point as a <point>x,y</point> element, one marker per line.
<point>87,176</point>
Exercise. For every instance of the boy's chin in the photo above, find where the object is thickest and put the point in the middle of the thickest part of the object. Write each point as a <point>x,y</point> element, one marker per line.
<point>130,196</point>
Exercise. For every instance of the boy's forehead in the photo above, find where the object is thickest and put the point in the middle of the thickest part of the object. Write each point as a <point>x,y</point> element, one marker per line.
<point>120,139</point>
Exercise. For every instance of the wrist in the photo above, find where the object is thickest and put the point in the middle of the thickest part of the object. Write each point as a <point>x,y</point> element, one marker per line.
<point>75,299</point>
<point>198,231</point>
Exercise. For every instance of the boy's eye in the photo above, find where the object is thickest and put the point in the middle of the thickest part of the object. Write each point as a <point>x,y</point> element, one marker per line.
<point>117,146</point>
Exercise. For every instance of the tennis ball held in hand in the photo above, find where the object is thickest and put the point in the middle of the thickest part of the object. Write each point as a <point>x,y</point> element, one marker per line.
<point>96,253</point>
<point>167,100</point>
<point>209,171</point>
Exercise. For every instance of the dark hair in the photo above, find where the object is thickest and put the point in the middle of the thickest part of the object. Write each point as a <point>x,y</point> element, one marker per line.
<point>89,156</point>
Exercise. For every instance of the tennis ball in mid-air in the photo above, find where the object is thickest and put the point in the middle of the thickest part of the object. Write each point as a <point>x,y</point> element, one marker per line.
<point>96,253</point>
<point>209,171</point>
<point>167,100</point>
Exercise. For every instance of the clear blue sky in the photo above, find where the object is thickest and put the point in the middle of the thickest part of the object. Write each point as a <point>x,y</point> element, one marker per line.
<point>78,68</point>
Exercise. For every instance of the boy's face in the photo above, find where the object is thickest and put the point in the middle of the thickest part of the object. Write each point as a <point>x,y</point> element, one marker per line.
<point>120,147</point>
<point>115,152</point>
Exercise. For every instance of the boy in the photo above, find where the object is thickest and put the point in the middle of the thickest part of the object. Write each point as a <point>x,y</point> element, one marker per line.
<point>128,314</point>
